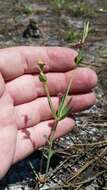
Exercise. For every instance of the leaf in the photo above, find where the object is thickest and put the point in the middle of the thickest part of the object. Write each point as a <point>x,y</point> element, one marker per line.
<point>62,109</point>
<point>65,112</point>
<point>80,57</point>
<point>52,152</point>
<point>46,153</point>
<point>61,104</point>
<point>85,32</point>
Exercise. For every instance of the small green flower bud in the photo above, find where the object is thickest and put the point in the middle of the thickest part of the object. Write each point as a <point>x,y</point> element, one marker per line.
<point>42,77</point>
<point>41,66</point>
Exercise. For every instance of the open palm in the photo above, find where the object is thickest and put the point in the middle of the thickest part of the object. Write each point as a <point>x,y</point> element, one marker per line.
<point>25,116</point>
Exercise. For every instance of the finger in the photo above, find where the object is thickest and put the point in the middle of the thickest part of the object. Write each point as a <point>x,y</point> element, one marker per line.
<point>15,62</point>
<point>38,110</point>
<point>32,138</point>
<point>7,148</point>
<point>7,134</point>
<point>27,87</point>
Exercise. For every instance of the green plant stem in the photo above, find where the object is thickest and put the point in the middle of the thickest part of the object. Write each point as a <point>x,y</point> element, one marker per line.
<point>56,117</point>
<point>51,137</point>
<point>56,120</point>
<point>49,157</point>
<point>51,140</point>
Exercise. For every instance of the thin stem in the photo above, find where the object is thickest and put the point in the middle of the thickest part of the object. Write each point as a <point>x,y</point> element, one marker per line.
<point>56,120</point>
<point>49,157</point>
<point>51,140</point>
<point>56,117</point>
<point>41,161</point>
<point>51,137</point>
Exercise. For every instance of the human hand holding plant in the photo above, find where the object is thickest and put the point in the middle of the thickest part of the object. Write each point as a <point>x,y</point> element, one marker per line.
<point>22,96</point>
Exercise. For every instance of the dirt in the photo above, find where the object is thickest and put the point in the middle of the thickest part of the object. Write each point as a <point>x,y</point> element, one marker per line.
<point>31,22</point>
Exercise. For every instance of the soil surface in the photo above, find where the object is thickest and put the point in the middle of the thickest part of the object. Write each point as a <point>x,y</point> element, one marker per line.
<point>37,22</point>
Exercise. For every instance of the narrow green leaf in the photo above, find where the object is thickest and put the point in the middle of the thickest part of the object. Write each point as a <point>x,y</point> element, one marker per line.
<point>65,112</point>
<point>85,32</point>
<point>63,102</point>
<point>47,153</point>
<point>52,152</point>
<point>80,57</point>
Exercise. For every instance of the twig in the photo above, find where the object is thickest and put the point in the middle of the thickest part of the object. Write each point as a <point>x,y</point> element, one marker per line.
<point>88,144</point>
<point>87,164</point>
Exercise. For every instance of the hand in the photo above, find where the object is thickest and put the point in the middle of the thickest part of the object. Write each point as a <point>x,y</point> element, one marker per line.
<point>25,116</point>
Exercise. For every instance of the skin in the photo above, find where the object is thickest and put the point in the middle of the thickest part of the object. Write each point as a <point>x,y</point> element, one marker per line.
<point>25,116</point>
